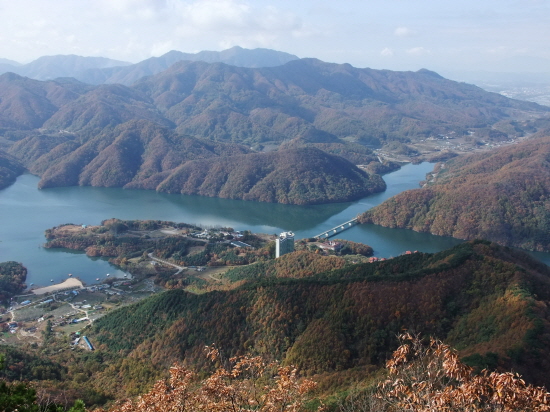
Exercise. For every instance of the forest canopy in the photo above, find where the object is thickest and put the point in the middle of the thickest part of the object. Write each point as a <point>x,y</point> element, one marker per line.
<point>12,279</point>
<point>502,195</point>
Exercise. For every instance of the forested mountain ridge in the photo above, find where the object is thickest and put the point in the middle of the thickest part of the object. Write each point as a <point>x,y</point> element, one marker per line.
<point>300,176</point>
<point>502,195</point>
<point>10,168</point>
<point>71,133</point>
<point>104,107</point>
<point>321,101</point>
<point>478,296</point>
<point>27,104</point>
<point>328,101</point>
<point>143,155</point>
<point>135,150</point>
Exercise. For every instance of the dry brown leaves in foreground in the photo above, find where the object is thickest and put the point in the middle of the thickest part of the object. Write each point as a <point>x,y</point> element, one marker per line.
<point>430,377</point>
<point>245,384</point>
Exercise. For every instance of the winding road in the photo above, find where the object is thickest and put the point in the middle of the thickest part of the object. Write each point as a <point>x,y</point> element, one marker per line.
<point>180,268</point>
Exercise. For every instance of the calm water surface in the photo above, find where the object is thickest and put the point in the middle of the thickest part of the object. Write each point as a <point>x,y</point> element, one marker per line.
<point>26,212</point>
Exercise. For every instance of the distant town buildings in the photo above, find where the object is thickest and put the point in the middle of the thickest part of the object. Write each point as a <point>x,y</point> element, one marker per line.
<point>284,244</point>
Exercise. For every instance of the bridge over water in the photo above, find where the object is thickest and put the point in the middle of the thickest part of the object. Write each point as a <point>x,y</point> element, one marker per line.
<point>337,229</point>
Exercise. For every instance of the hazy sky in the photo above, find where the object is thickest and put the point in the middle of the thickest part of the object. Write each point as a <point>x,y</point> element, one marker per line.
<point>498,35</point>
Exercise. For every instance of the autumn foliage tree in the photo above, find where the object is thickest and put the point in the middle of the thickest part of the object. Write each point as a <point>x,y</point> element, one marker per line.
<point>242,384</point>
<point>430,377</point>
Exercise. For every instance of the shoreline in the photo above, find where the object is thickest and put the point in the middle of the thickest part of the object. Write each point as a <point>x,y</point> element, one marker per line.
<point>66,284</point>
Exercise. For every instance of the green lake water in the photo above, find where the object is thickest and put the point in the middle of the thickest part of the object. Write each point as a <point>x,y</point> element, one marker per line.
<point>27,212</point>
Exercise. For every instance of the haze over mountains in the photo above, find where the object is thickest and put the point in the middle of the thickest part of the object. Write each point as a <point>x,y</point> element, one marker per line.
<point>522,85</point>
<point>97,70</point>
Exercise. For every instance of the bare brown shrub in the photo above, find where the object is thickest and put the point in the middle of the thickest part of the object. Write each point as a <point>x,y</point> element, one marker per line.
<point>430,377</point>
<point>244,384</point>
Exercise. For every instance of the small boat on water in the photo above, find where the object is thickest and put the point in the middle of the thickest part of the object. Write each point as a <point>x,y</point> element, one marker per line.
<point>97,279</point>
<point>108,275</point>
<point>51,280</point>
<point>70,274</point>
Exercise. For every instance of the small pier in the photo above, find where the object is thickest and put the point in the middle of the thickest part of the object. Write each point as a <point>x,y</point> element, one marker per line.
<point>337,229</point>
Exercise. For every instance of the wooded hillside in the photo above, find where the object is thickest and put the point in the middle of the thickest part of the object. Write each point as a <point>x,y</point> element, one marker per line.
<point>486,300</point>
<point>10,168</point>
<point>328,101</point>
<point>502,195</point>
<point>301,176</point>
<point>12,279</point>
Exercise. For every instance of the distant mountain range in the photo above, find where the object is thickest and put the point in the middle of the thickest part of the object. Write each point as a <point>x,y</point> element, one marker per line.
<point>305,99</point>
<point>52,67</point>
<point>502,195</point>
<point>98,70</point>
<point>70,132</point>
<point>9,62</point>
<point>323,102</point>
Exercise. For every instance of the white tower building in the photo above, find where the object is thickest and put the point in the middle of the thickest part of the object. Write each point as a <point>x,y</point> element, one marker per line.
<point>284,244</point>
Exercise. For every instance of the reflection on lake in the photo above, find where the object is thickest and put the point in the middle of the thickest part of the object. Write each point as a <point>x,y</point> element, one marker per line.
<point>253,214</point>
